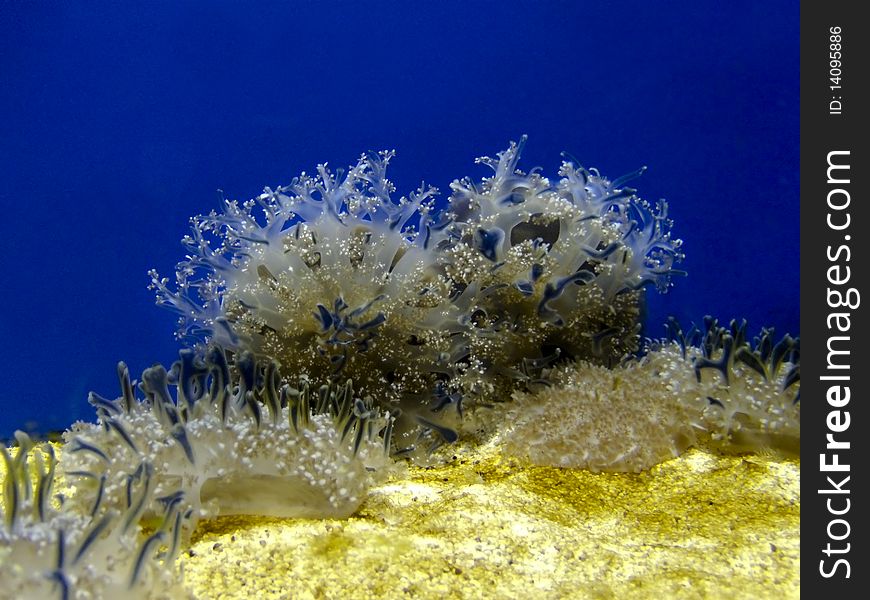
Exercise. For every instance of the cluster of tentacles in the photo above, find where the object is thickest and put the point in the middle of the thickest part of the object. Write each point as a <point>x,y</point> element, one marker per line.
<point>210,436</point>
<point>426,310</point>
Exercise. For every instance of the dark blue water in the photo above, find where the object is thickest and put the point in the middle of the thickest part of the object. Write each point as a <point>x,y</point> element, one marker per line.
<point>118,121</point>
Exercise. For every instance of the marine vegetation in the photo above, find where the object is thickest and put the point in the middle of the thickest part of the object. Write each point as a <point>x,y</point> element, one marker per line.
<point>331,327</point>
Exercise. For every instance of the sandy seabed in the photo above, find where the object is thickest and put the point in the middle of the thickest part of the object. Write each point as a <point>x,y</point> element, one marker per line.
<point>487,526</point>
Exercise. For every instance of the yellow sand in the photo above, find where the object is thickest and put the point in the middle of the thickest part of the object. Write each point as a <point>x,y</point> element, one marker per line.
<point>484,526</point>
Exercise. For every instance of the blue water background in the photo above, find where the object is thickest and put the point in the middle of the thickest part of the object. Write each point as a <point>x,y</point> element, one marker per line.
<point>120,120</point>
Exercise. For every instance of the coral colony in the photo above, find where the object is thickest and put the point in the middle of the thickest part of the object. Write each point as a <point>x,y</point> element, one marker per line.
<point>332,329</point>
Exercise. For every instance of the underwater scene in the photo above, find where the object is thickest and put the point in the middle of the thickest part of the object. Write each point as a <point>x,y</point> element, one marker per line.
<point>400,300</point>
